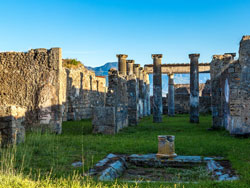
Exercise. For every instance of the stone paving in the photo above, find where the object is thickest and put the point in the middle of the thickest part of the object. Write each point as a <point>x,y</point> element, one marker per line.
<point>114,165</point>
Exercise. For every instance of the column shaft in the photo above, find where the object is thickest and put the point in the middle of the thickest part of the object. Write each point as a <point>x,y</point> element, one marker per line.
<point>122,64</point>
<point>194,88</point>
<point>130,67</point>
<point>157,89</point>
<point>171,104</point>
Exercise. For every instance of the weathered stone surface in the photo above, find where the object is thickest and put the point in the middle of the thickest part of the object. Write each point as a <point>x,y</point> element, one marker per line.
<point>112,168</point>
<point>230,85</point>
<point>122,64</point>
<point>82,91</point>
<point>194,88</point>
<point>141,92</point>
<point>157,89</point>
<point>104,120</point>
<point>171,106</point>
<point>32,80</point>
<point>11,124</point>
<point>114,115</point>
<point>166,147</point>
<point>130,67</point>
<point>133,97</point>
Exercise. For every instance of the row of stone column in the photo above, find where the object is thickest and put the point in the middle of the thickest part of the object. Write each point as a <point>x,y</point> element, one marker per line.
<point>157,89</point>
<point>138,88</point>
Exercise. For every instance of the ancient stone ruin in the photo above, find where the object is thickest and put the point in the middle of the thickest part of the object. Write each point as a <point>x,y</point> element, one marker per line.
<point>163,166</point>
<point>38,92</point>
<point>127,98</point>
<point>230,86</point>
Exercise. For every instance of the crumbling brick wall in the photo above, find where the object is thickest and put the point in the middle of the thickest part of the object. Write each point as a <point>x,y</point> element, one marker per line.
<point>83,90</point>
<point>31,80</point>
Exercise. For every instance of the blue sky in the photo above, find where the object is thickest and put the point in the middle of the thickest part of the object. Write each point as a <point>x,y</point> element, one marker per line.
<point>94,31</point>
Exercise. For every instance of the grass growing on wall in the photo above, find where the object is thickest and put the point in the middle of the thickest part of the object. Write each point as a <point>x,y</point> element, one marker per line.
<point>71,63</point>
<point>44,160</point>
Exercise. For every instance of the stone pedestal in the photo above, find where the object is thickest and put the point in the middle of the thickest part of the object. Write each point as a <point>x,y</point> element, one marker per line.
<point>194,88</point>
<point>122,64</point>
<point>171,108</point>
<point>157,88</point>
<point>166,147</point>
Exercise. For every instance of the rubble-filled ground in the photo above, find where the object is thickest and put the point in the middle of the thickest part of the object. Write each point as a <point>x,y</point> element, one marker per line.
<point>48,157</point>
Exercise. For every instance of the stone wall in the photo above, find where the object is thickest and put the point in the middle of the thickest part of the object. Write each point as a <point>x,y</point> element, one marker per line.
<point>127,100</point>
<point>230,85</point>
<point>37,92</point>
<point>11,124</point>
<point>31,80</point>
<point>114,115</point>
<point>83,91</point>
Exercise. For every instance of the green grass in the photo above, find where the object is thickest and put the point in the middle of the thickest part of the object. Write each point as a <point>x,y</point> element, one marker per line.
<point>47,158</point>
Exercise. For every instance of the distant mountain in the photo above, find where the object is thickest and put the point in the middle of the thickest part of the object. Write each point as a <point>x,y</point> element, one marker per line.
<point>103,70</point>
<point>178,78</point>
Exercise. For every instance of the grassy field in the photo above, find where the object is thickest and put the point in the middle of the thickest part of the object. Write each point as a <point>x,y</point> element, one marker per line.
<point>44,160</point>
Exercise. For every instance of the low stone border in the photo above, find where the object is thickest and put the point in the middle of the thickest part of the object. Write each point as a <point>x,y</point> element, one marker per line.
<point>113,166</point>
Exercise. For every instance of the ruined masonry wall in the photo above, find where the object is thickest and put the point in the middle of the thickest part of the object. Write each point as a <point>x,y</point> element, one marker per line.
<point>114,115</point>
<point>31,80</point>
<point>230,87</point>
<point>11,124</point>
<point>82,91</point>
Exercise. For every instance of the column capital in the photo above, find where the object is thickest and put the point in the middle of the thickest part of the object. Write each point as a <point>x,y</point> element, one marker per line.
<point>156,56</point>
<point>130,61</point>
<point>121,55</point>
<point>137,65</point>
<point>171,75</point>
<point>191,56</point>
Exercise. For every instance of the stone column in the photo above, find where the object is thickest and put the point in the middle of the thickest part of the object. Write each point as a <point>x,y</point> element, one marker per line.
<point>132,99</point>
<point>157,88</point>
<point>122,65</point>
<point>216,98</point>
<point>171,95</point>
<point>136,70</point>
<point>144,93</point>
<point>137,74</point>
<point>194,88</point>
<point>148,95</point>
<point>141,88</point>
<point>130,67</point>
